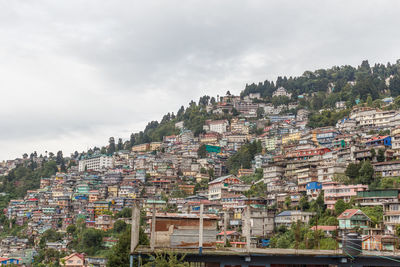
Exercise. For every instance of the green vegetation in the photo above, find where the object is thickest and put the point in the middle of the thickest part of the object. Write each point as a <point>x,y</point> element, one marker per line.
<point>250,179</point>
<point>24,178</point>
<point>202,152</point>
<point>362,172</point>
<point>119,254</point>
<point>374,213</point>
<point>257,190</point>
<point>244,156</point>
<point>324,87</point>
<point>167,259</point>
<point>300,236</point>
<point>326,118</point>
<point>124,213</point>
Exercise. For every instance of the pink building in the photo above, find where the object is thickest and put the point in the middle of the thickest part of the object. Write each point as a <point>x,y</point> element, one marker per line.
<point>334,191</point>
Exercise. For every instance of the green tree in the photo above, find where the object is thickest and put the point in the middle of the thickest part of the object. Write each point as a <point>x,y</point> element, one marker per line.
<point>340,206</point>
<point>366,173</point>
<point>319,204</point>
<point>120,253</point>
<point>288,202</point>
<point>374,213</point>
<point>71,229</point>
<point>373,153</point>
<point>352,171</point>
<point>111,146</point>
<point>381,155</point>
<point>119,226</point>
<point>257,190</point>
<point>369,100</point>
<point>124,213</point>
<point>260,112</point>
<point>303,203</point>
<point>120,144</point>
<point>202,152</point>
<point>167,259</point>
<point>91,241</point>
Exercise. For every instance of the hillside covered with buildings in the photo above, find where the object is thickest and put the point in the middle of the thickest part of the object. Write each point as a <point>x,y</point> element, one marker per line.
<point>305,159</point>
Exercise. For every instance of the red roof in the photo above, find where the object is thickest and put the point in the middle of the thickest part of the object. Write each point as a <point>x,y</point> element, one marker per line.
<point>347,214</point>
<point>325,227</point>
<point>377,138</point>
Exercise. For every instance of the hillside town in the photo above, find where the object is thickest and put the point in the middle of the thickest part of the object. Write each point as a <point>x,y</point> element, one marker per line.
<point>259,171</point>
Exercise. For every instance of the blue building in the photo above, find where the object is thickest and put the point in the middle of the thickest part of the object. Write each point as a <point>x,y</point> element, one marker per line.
<point>313,189</point>
<point>8,261</point>
<point>379,141</point>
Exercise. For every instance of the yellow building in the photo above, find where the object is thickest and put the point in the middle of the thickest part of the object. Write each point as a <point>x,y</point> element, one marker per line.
<point>291,138</point>
<point>113,191</point>
<point>270,143</point>
<point>155,145</point>
<point>141,148</point>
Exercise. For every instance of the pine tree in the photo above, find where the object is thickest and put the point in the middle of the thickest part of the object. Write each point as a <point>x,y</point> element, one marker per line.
<point>111,146</point>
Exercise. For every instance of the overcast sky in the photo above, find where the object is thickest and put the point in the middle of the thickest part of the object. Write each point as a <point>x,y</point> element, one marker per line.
<point>73,73</point>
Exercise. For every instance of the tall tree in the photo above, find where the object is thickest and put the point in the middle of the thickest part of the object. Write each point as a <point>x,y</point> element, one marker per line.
<point>366,173</point>
<point>202,152</point>
<point>120,144</point>
<point>381,155</point>
<point>111,146</point>
<point>132,140</point>
<point>340,206</point>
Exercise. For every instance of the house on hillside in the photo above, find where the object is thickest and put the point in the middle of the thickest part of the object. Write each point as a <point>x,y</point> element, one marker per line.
<point>73,260</point>
<point>352,220</point>
<point>221,186</point>
<point>288,217</point>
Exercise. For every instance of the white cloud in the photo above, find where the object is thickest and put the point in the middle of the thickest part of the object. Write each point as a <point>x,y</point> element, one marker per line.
<point>73,73</point>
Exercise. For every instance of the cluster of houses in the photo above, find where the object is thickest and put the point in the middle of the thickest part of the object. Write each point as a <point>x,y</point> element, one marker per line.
<point>295,160</point>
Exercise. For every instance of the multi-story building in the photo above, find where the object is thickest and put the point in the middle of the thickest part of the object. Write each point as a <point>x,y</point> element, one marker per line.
<point>221,185</point>
<point>372,198</point>
<point>326,172</point>
<point>391,216</point>
<point>306,174</point>
<point>333,191</point>
<point>141,148</point>
<point>95,162</point>
<point>288,217</point>
<point>387,168</point>
<point>291,138</point>
<point>239,126</point>
<point>270,143</point>
<point>272,173</point>
<point>218,126</point>
<point>369,117</point>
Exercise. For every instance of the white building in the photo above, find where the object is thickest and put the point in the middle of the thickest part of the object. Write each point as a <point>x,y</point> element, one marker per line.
<point>369,117</point>
<point>218,126</point>
<point>95,162</point>
<point>281,92</point>
<point>340,105</point>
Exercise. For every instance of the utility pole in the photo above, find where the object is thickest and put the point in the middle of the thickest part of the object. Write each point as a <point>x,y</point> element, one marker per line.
<point>153,228</point>
<point>201,229</point>
<point>247,228</point>
<point>135,226</point>
<point>225,226</point>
